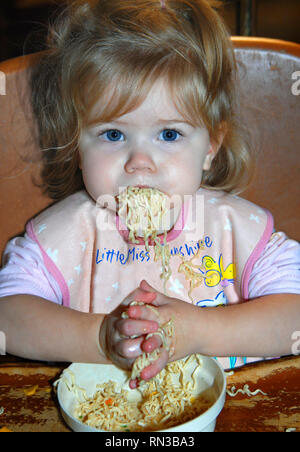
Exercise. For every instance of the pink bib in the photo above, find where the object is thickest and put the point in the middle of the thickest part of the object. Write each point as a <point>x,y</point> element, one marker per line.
<point>86,249</point>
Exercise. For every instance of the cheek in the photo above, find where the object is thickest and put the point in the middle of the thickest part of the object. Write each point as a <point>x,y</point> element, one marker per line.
<point>185,171</point>
<point>99,174</point>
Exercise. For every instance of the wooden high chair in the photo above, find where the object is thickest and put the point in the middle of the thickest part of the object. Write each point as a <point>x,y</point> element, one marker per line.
<point>270,96</point>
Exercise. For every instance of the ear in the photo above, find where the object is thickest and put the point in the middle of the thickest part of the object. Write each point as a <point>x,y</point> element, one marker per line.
<point>215,145</point>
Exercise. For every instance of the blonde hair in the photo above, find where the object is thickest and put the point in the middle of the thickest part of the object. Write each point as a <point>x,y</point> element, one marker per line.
<point>129,44</point>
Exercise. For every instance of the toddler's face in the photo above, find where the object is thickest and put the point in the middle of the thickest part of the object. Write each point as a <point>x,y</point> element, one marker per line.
<point>151,146</point>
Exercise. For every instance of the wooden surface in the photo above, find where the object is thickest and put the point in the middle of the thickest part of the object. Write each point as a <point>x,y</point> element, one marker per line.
<point>278,411</point>
<point>30,413</point>
<point>275,412</point>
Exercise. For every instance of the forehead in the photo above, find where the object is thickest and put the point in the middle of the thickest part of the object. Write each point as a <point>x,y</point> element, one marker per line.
<point>155,102</point>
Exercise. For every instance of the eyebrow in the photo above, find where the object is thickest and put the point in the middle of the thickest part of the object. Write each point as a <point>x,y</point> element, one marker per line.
<point>175,120</point>
<point>158,122</point>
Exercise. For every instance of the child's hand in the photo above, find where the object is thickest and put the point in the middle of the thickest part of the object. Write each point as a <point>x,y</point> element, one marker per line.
<point>183,343</point>
<point>116,332</point>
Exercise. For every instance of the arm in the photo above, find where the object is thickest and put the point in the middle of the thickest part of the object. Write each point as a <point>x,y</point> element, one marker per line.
<point>260,327</point>
<point>39,329</point>
<point>35,325</point>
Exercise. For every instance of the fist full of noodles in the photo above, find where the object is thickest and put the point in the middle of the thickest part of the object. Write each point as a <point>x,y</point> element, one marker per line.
<point>120,339</point>
<point>159,355</point>
<point>173,340</point>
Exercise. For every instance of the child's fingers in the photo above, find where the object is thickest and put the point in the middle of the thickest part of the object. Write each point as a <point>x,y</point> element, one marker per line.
<point>131,327</point>
<point>142,296</point>
<point>133,384</point>
<point>153,369</point>
<point>139,294</point>
<point>148,292</point>
<point>146,287</point>
<point>151,344</point>
<point>143,312</point>
<point>129,348</point>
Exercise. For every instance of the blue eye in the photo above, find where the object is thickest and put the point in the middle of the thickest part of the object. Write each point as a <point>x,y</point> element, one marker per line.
<point>113,135</point>
<point>169,135</point>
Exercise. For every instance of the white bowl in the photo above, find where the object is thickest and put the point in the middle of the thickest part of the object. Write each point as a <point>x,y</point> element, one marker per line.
<point>210,378</point>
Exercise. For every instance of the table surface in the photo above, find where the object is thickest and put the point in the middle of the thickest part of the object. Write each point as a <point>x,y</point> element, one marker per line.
<point>29,402</point>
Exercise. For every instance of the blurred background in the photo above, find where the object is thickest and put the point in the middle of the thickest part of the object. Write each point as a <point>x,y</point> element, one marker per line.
<point>23,23</point>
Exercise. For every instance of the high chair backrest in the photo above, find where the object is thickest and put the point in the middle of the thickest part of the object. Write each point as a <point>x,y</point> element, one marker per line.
<point>20,198</point>
<point>269,72</point>
<point>270,98</point>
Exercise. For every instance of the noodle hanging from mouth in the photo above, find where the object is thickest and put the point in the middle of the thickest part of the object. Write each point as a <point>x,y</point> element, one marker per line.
<point>144,210</point>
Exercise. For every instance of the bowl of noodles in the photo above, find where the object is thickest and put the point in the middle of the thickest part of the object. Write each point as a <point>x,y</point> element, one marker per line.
<point>186,396</point>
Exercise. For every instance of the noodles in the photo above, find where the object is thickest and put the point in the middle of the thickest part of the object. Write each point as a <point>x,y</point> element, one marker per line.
<point>233,391</point>
<point>171,398</point>
<point>165,332</point>
<point>143,210</point>
<point>189,269</point>
<point>144,360</point>
<point>107,408</point>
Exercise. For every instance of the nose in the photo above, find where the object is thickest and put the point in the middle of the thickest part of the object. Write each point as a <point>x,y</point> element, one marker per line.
<point>140,162</point>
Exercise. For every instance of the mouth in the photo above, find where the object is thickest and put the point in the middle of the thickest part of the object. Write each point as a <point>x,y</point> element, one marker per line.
<point>170,202</point>
<point>144,210</point>
<point>126,188</point>
<point>148,187</point>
